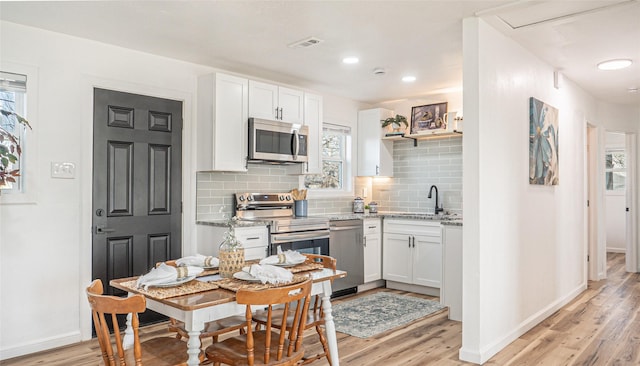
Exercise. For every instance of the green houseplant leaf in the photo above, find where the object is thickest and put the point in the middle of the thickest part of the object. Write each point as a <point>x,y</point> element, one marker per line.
<point>10,149</point>
<point>397,120</point>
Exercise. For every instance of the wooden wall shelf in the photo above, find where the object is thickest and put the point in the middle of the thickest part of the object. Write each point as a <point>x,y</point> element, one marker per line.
<point>431,136</point>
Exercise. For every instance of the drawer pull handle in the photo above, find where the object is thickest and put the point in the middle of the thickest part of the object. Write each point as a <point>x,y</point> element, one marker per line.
<point>254,238</point>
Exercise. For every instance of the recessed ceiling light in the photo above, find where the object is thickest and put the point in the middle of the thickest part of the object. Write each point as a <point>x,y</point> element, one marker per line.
<point>614,64</point>
<point>408,79</point>
<point>350,60</point>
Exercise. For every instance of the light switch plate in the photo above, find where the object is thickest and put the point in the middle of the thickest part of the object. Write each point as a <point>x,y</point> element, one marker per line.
<point>63,170</point>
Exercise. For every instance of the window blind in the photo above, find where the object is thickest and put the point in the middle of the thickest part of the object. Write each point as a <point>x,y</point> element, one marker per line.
<point>13,82</point>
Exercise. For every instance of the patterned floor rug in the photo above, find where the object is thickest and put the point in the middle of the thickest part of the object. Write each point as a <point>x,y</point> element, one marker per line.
<point>369,315</point>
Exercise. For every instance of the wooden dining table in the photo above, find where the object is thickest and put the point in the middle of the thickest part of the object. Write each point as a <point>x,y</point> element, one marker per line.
<point>196,309</point>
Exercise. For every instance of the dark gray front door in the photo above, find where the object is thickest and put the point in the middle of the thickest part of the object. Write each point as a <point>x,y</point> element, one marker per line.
<point>137,188</point>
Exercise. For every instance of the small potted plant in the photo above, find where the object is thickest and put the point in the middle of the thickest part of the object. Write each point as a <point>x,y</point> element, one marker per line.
<point>10,150</point>
<point>395,122</point>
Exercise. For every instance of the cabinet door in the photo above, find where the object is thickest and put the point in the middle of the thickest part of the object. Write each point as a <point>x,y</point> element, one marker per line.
<point>372,258</point>
<point>230,124</point>
<point>263,100</point>
<point>397,258</point>
<point>375,156</point>
<point>313,119</point>
<point>291,104</point>
<point>427,261</point>
<point>372,250</point>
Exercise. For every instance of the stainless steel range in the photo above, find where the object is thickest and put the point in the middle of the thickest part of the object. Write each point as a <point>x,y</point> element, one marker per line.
<point>304,234</point>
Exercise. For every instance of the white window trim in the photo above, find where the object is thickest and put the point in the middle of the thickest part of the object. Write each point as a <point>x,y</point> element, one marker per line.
<point>348,173</point>
<point>31,156</point>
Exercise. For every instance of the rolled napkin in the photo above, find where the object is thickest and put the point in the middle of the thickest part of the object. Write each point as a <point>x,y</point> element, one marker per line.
<point>288,257</point>
<point>198,260</point>
<point>270,274</point>
<point>166,274</point>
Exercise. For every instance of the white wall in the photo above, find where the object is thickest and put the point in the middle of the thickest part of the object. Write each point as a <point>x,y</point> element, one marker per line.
<point>524,245</point>
<point>45,245</point>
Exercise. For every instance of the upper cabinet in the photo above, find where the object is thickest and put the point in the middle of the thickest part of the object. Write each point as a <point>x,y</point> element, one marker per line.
<point>275,102</point>
<point>222,122</point>
<point>313,119</point>
<point>375,155</point>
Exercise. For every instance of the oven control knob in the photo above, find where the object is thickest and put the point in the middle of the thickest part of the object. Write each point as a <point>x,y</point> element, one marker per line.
<point>281,198</point>
<point>287,197</point>
<point>240,198</point>
<point>249,198</point>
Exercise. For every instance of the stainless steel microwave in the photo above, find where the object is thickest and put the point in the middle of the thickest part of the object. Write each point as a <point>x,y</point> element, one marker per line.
<point>277,141</point>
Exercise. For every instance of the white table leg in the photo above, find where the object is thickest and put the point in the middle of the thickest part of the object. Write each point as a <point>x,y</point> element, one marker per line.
<point>329,326</point>
<point>127,340</point>
<point>194,329</point>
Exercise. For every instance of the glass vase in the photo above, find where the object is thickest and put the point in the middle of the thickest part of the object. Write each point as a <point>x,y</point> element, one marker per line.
<point>231,256</point>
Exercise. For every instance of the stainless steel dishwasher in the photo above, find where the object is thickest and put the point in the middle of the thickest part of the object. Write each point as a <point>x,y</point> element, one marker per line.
<point>345,244</point>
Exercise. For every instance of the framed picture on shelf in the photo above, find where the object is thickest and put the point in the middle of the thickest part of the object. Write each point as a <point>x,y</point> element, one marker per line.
<point>428,118</point>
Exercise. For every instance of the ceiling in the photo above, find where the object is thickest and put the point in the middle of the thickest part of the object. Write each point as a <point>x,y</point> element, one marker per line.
<point>421,38</point>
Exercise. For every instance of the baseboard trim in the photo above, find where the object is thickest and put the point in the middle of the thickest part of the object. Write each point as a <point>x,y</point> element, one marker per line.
<point>40,345</point>
<point>424,290</point>
<point>483,355</point>
<point>371,285</point>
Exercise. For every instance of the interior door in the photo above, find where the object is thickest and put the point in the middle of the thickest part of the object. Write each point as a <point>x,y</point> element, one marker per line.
<point>137,184</point>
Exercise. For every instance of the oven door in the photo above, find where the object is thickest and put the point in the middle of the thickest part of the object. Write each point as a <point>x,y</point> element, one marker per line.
<point>277,141</point>
<point>312,242</point>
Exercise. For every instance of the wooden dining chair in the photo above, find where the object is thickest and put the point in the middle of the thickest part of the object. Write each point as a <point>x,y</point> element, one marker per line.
<point>212,329</point>
<point>315,318</point>
<point>271,346</point>
<point>162,351</point>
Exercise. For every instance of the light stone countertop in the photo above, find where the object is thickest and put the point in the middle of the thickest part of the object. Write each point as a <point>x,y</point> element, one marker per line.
<point>225,223</point>
<point>452,219</point>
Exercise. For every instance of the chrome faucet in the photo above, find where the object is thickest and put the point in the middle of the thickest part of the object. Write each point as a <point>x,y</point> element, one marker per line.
<point>438,209</point>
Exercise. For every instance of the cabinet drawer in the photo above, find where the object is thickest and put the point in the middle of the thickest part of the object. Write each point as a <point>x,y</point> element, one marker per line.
<point>252,237</point>
<point>413,227</point>
<point>255,253</point>
<point>371,226</point>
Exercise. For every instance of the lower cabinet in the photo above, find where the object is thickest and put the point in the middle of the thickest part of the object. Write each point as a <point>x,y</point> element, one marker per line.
<point>412,252</point>
<point>254,239</point>
<point>372,249</point>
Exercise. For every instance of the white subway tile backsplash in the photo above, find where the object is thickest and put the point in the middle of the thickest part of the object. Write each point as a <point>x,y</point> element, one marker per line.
<point>432,162</point>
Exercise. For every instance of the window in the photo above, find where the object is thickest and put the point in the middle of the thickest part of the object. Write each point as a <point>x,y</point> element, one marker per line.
<point>336,147</point>
<point>13,88</point>
<point>615,170</point>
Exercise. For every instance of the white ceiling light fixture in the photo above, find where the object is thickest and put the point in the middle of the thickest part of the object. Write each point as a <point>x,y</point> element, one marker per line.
<point>350,60</point>
<point>409,79</point>
<point>379,71</point>
<point>616,64</point>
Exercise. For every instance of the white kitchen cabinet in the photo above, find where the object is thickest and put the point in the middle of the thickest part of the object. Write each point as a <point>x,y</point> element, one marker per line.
<point>313,119</point>
<point>375,155</point>
<point>254,239</point>
<point>372,249</point>
<point>222,123</point>
<point>452,275</point>
<point>412,252</point>
<point>275,102</point>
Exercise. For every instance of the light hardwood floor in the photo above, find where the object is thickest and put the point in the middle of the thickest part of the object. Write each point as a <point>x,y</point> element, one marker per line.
<point>599,327</point>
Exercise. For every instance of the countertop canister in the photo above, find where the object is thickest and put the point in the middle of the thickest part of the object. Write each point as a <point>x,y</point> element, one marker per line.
<point>358,205</point>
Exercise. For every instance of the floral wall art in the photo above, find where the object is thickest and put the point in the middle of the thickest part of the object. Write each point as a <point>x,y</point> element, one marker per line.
<point>543,143</point>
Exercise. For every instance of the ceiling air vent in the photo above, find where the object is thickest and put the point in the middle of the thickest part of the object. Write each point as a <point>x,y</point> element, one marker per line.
<point>307,42</point>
